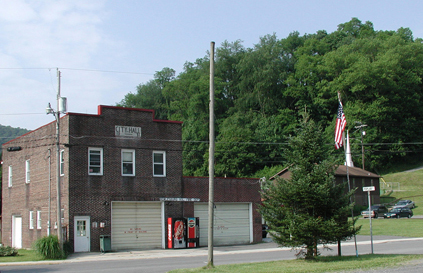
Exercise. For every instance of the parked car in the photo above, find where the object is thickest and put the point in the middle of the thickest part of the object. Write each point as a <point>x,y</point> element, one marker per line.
<point>399,212</point>
<point>375,211</point>
<point>405,203</point>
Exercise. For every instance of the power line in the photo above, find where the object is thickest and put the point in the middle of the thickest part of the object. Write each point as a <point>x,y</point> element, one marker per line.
<point>76,69</point>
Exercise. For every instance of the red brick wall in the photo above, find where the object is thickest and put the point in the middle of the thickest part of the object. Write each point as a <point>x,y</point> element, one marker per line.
<point>39,147</point>
<point>92,195</point>
<point>225,190</point>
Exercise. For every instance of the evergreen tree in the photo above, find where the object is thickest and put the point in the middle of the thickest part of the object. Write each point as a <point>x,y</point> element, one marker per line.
<point>308,209</point>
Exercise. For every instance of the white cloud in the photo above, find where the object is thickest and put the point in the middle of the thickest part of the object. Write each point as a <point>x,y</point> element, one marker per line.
<point>50,34</point>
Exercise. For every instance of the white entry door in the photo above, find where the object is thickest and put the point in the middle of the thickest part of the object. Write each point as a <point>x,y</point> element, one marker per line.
<point>82,234</point>
<point>17,231</point>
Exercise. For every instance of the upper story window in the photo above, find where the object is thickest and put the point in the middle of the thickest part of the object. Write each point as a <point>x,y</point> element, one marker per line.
<point>159,163</point>
<point>27,171</point>
<point>128,162</point>
<point>10,176</point>
<point>95,161</point>
<point>31,220</point>
<point>62,162</point>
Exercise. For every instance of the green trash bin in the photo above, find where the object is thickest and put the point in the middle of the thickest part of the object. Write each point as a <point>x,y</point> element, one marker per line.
<point>105,243</point>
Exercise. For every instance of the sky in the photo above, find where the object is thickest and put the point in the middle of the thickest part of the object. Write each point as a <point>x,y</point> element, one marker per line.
<point>105,48</point>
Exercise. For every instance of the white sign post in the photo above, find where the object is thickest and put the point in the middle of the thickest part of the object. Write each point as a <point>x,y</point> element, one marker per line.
<point>369,189</point>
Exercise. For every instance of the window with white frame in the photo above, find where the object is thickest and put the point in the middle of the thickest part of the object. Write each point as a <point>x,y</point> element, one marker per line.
<point>95,161</point>
<point>27,171</point>
<point>159,163</point>
<point>62,162</point>
<point>38,219</point>
<point>10,176</point>
<point>128,162</point>
<point>31,219</point>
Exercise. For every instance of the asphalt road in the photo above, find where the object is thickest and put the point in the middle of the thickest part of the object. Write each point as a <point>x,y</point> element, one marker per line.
<point>159,261</point>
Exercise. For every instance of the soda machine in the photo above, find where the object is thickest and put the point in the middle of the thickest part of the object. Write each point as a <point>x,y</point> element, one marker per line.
<point>182,232</point>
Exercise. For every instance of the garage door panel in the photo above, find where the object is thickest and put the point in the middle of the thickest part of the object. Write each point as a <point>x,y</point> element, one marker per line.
<point>136,225</point>
<point>231,223</point>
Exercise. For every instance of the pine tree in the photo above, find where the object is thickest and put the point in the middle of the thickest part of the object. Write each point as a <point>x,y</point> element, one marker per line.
<point>308,209</point>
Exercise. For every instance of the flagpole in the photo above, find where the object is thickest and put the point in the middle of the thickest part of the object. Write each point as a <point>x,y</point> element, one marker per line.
<point>349,184</point>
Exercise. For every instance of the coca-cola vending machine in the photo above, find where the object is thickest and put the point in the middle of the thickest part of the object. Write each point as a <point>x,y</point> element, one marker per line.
<point>182,232</point>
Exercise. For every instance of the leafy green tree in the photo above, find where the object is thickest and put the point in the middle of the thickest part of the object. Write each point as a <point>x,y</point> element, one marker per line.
<point>149,95</point>
<point>308,209</point>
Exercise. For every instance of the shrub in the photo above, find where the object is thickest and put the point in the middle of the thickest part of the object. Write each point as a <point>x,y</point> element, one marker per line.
<point>8,251</point>
<point>49,247</point>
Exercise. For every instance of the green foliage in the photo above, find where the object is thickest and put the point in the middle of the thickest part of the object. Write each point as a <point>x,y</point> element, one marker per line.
<point>49,248</point>
<point>261,91</point>
<point>308,209</point>
<point>8,251</point>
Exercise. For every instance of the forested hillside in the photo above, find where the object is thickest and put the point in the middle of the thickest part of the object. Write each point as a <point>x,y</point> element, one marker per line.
<point>261,92</point>
<point>8,133</point>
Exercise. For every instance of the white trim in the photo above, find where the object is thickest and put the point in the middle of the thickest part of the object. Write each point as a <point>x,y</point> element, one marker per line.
<point>160,163</point>
<point>62,162</point>
<point>31,219</point>
<point>132,151</point>
<point>90,172</point>
<point>250,208</point>
<point>39,223</point>
<point>10,181</point>
<point>163,226</point>
<point>27,171</point>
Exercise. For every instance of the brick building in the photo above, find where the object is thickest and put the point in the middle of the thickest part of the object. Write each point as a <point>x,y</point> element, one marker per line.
<point>120,175</point>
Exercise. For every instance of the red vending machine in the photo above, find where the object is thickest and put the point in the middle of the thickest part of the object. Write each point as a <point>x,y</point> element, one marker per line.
<point>176,233</point>
<point>193,236</point>
<point>183,232</point>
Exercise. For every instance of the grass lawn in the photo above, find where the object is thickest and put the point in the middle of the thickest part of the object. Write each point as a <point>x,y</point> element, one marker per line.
<point>411,187</point>
<point>392,227</point>
<point>24,255</point>
<point>322,264</point>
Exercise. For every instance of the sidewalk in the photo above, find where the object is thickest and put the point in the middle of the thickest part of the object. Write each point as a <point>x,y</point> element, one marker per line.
<point>266,246</point>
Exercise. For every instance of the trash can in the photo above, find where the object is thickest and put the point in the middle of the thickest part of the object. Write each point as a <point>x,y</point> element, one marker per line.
<point>105,243</point>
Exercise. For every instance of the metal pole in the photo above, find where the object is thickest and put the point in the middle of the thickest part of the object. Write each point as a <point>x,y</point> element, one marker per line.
<point>59,207</point>
<point>49,193</point>
<point>362,149</point>
<point>211,160</point>
<point>370,218</point>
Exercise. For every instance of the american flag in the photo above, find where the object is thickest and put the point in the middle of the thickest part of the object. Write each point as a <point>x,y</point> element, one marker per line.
<point>341,122</point>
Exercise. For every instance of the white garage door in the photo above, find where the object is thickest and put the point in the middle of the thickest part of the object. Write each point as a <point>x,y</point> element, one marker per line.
<point>232,223</point>
<point>137,225</point>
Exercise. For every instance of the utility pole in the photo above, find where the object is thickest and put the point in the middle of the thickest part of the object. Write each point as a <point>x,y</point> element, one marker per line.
<point>211,160</point>
<point>59,206</point>
<point>362,133</point>
<point>61,107</point>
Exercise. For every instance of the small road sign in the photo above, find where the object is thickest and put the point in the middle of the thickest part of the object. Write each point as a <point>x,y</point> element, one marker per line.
<point>371,188</point>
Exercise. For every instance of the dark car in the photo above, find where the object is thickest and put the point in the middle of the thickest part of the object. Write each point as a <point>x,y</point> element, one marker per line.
<point>399,212</point>
<point>375,211</point>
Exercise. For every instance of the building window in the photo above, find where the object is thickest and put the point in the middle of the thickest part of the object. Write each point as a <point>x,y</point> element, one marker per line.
<point>10,176</point>
<point>31,220</point>
<point>38,219</point>
<point>159,163</point>
<point>95,161</point>
<point>62,162</point>
<point>27,171</point>
<point>128,162</point>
